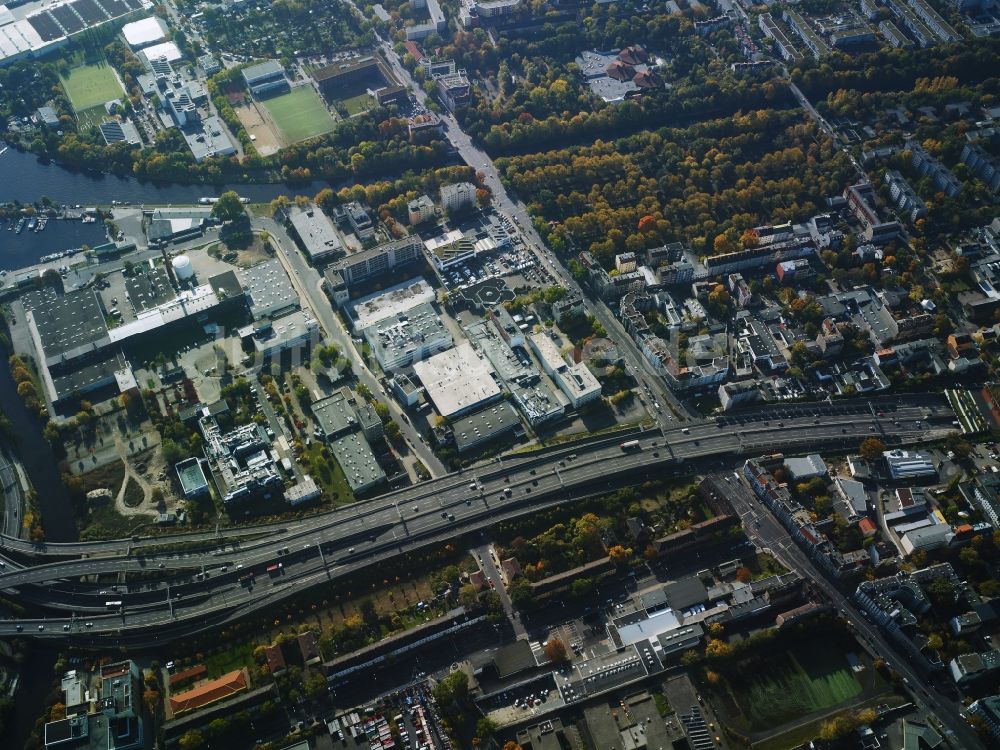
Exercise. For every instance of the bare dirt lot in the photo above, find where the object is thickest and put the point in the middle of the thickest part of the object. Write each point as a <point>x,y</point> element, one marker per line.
<point>267,140</point>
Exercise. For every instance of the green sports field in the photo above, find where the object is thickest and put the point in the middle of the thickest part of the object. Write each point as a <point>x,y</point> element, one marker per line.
<point>798,682</point>
<point>299,114</point>
<point>91,86</point>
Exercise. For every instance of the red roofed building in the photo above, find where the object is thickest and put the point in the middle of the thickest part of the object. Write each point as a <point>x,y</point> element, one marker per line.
<point>477,579</point>
<point>867,527</point>
<point>210,692</point>
<point>414,50</point>
<point>647,79</point>
<point>633,55</point>
<point>275,659</point>
<point>309,646</point>
<point>620,71</point>
<point>187,675</point>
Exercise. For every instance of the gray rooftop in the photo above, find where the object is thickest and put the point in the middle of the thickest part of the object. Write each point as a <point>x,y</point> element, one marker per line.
<point>358,462</point>
<point>334,415</point>
<point>268,288</point>
<point>318,235</point>
<point>485,424</point>
<point>148,288</point>
<point>70,321</point>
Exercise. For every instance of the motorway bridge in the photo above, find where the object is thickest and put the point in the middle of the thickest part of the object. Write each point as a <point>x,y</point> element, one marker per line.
<point>191,582</point>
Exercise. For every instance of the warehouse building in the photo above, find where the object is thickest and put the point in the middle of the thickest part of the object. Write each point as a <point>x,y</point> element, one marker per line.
<point>457,381</point>
<point>268,289</point>
<point>316,232</point>
<point>358,462</point>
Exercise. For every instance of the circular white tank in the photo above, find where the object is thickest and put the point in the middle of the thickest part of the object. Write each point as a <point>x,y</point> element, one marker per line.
<point>182,267</point>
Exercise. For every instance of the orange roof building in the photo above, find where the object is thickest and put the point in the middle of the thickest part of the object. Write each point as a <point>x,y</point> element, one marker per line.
<point>633,55</point>
<point>186,675</point>
<point>867,527</point>
<point>647,79</point>
<point>620,71</point>
<point>209,692</point>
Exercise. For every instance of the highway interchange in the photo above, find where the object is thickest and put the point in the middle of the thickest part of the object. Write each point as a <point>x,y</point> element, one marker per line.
<point>187,591</point>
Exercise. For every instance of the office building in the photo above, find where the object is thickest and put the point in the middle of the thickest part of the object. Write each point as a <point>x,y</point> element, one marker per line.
<point>316,232</point>
<point>576,381</point>
<point>408,337</point>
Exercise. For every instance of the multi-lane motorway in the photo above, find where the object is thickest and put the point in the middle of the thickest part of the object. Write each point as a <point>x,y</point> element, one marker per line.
<point>183,592</point>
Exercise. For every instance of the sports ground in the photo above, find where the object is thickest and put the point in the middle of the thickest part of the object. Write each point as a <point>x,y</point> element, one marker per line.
<point>91,85</point>
<point>299,114</point>
<point>798,682</point>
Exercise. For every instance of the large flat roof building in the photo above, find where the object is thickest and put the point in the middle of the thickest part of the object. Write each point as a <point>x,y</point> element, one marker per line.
<point>458,380</point>
<point>485,425</point>
<point>264,78</point>
<point>408,337</point>
<point>144,32</point>
<point>358,462</point>
<point>379,260</point>
<point>268,289</point>
<point>318,235</point>
<point>391,303</point>
<point>906,464</point>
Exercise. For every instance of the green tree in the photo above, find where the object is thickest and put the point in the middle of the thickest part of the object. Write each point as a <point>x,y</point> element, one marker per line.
<point>192,740</point>
<point>229,207</point>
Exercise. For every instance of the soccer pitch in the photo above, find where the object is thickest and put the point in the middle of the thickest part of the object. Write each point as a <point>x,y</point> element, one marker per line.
<point>797,683</point>
<point>299,114</point>
<point>91,85</point>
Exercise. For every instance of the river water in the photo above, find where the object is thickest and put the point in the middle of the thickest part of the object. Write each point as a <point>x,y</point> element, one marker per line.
<point>24,178</point>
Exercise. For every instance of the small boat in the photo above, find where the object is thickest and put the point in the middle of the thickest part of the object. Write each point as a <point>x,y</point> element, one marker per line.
<point>32,223</point>
<point>41,223</point>
<point>20,226</point>
<point>89,220</point>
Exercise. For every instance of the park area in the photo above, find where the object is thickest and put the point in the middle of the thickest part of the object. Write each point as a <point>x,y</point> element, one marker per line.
<point>89,87</point>
<point>299,114</point>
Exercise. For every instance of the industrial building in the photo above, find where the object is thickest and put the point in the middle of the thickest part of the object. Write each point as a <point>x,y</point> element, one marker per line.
<point>76,350</point>
<point>909,465</point>
<point>485,425</point>
<point>358,462</point>
<point>458,380</point>
<point>268,289</point>
<point>344,411</point>
<point>316,232</point>
<point>408,337</point>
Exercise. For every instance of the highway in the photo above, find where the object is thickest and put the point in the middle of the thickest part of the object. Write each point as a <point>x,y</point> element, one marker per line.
<point>340,542</point>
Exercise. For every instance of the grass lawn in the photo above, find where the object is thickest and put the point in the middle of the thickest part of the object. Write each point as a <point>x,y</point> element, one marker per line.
<point>328,474</point>
<point>231,658</point>
<point>358,103</point>
<point>299,114</point>
<point>800,681</point>
<point>91,85</point>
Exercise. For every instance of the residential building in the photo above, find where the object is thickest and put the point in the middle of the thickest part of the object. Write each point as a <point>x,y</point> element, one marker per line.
<point>377,261</point>
<point>420,209</point>
<point>107,720</point>
<point>982,164</point>
<point>942,177</point>
<point>988,710</point>
<point>782,44</point>
<point>738,393</point>
<point>472,12</point>
<point>458,197</point>
<point>905,196</point>
<point>813,42</point>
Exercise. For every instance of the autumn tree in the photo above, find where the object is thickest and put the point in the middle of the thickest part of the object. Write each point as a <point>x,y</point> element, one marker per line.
<point>871,449</point>
<point>619,554</point>
<point>555,651</point>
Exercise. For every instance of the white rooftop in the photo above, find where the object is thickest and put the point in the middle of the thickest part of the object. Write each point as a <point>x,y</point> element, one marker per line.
<point>169,50</point>
<point>390,303</point>
<point>143,32</point>
<point>457,380</point>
